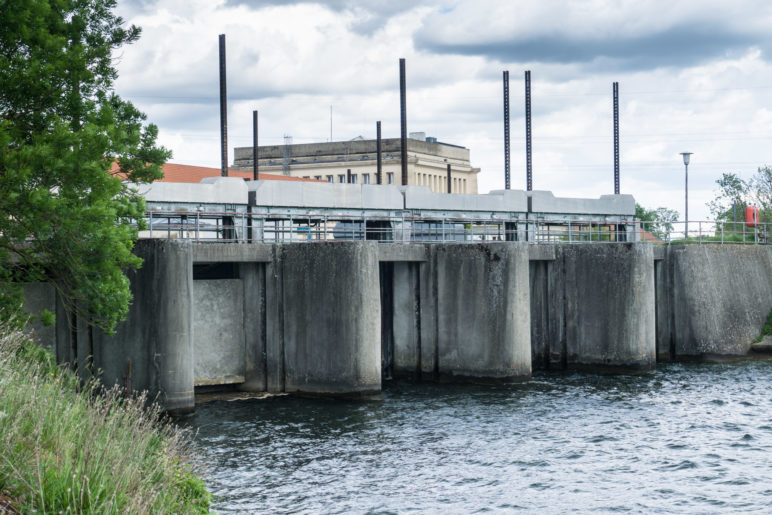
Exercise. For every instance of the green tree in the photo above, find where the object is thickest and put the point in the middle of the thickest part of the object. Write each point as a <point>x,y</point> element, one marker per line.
<point>760,187</point>
<point>731,198</point>
<point>658,221</point>
<point>65,213</point>
<point>735,193</point>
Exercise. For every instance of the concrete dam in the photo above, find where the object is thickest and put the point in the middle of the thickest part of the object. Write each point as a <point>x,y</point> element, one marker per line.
<point>339,318</point>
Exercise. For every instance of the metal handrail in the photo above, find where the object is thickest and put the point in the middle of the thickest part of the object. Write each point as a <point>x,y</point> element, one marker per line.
<point>268,227</point>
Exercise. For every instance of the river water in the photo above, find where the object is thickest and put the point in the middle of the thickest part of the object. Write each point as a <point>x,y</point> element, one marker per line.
<point>687,438</point>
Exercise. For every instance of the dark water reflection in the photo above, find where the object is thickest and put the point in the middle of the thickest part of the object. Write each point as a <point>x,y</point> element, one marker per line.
<point>688,438</point>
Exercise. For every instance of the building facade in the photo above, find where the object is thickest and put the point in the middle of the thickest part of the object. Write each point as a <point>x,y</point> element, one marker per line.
<point>333,162</point>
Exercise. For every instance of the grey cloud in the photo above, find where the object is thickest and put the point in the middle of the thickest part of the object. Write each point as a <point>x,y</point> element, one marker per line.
<point>676,46</point>
<point>373,14</point>
<point>130,8</point>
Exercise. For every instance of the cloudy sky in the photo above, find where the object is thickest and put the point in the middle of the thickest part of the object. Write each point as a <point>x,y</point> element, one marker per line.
<point>694,76</point>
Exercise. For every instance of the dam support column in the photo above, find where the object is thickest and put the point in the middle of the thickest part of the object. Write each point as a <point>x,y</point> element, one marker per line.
<point>483,311</point>
<point>721,296</point>
<point>607,305</point>
<point>406,323</point>
<point>153,348</point>
<point>331,318</point>
<point>253,277</point>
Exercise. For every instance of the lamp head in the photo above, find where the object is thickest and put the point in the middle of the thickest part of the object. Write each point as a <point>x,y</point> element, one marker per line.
<point>686,156</point>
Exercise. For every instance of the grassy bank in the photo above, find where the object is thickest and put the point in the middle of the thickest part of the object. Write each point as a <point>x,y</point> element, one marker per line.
<point>64,447</point>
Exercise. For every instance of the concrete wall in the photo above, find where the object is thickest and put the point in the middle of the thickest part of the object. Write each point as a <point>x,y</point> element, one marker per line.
<point>421,197</point>
<point>218,332</point>
<point>154,346</point>
<point>593,307</point>
<point>211,190</point>
<point>539,274</point>
<point>459,313</point>
<point>547,202</point>
<point>255,375</point>
<point>406,322</point>
<point>483,321</point>
<point>309,318</point>
<point>331,318</point>
<point>324,195</point>
<point>609,305</point>
<point>720,296</point>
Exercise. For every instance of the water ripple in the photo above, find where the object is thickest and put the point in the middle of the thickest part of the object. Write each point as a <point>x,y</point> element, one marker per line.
<point>690,437</point>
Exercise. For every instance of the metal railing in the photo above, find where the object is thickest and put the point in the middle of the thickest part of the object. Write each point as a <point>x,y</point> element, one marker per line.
<point>256,227</point>
<point>710,231</point>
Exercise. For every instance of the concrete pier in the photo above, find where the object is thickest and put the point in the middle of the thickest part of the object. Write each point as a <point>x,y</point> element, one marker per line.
<point>483,304</point>
<point>608,306</point>
<point>592,307</point>
<point>331,318</point>
<point>153,349</point>
<point>712,299</point>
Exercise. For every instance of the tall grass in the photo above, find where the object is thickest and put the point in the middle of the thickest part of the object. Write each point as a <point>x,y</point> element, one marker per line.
<point>68,447</point>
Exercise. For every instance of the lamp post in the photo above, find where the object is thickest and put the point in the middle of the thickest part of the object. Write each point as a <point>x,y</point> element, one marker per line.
<point>686,156</point>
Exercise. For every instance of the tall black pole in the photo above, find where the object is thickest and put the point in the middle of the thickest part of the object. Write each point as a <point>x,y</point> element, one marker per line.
<point>403,119</point>
<point>616,138</point>
<point>528,166</point>
<point>379,159</point>
<point>223,112</point>
<point>506,130</point>
<point>348,176</point>
<point>255,170</point>
<point>449,183</point>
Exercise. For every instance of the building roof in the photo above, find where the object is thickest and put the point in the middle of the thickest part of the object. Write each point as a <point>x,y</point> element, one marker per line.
<point>348,150</point>
<point>175,172</point>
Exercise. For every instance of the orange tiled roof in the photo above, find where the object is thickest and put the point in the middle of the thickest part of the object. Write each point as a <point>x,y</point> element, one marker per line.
<point>174,172</point>
<point>649,237</point>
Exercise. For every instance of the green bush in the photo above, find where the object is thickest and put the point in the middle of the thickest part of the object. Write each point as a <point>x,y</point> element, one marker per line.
<point>65,446</point>
<point>767,329</point>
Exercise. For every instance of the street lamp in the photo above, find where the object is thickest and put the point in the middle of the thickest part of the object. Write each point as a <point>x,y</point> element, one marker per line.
<point>686,156</point>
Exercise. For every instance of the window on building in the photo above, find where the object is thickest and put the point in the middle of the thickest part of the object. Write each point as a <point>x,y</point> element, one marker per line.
<point>365,178</point>
<point>318,177</point>
<point>329,178</point>
<point>342,178</point>
<point>306,176</point>
<point>354,178</point>
<point>390,177</point>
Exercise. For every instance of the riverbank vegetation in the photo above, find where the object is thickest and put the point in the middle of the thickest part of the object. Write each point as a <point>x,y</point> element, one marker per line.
<point>70,150</point>
<point>65,447</point>
<point>767,329</point>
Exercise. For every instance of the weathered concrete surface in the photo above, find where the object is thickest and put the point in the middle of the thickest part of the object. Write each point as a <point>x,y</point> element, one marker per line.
<point>274,323</point>
<point>721,296</point>
<point>331,318</point>
<point>153,347</point>
<point>540,313</point>
<point>406,321</point>
<point>764,346</point>
<point>607,306</point>
<point>253,277</point>
<point>483,321</point>
<point>211,252</point>
<point>541,252</point>
<point>546,202</point>
<point>218,332</point>
<point>401,252</point>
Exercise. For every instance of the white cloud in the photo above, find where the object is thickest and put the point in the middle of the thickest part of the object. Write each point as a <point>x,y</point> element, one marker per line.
<point>291,61</point>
